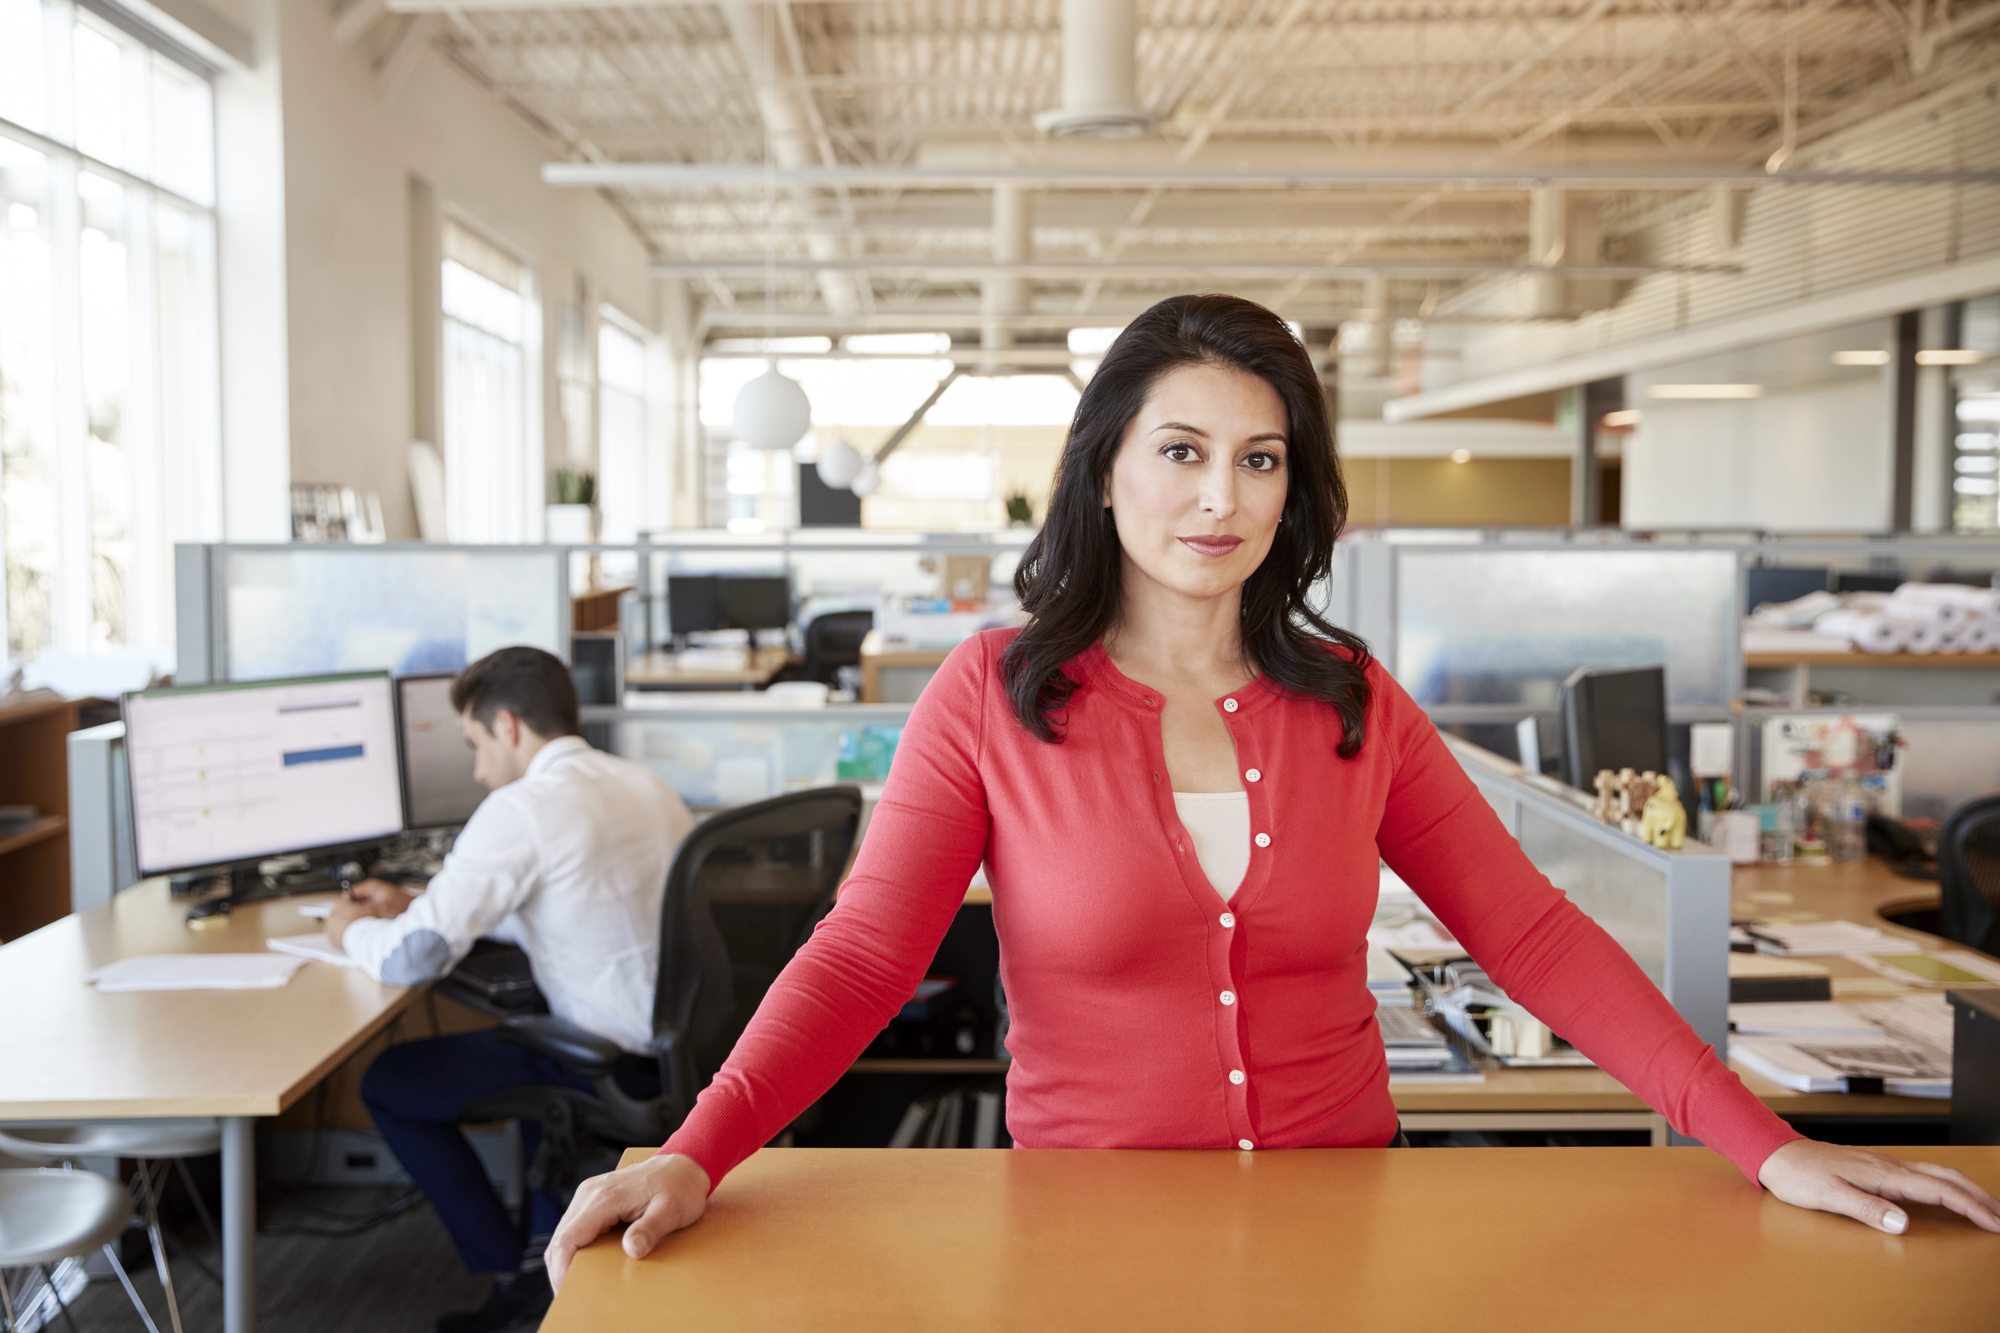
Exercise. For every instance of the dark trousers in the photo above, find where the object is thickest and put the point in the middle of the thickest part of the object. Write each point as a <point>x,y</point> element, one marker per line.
<point>416,1091</point>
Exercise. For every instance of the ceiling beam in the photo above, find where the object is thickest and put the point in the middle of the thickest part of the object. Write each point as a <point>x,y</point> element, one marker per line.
<point>702,175</point>
<point>948,270</point>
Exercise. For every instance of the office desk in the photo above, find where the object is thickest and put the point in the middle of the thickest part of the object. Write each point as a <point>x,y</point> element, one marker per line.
<point>1522,1238</point>
<point>663,671</point>
<point>906,660</point>
<point>70,1053</point>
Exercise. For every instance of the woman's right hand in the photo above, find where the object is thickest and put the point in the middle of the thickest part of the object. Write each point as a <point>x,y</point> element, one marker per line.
<point>656,1197</point>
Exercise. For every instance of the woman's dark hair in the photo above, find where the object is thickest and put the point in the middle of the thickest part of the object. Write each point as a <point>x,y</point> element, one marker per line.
<point>1069,580</point>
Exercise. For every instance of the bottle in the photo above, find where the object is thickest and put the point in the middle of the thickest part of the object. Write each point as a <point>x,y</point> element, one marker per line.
<point>1848,836</point>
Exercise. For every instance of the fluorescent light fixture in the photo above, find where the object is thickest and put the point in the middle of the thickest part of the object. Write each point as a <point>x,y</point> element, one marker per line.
<point>1461,455</point>
<point>1622,419</point>
<point>1986,407</point>
<point>746,527</point>
<point>1705,391</point>
<point>1092,342</point>
<point>1976,486</point>
<point>1861,358</point>
<point>1950,357</point>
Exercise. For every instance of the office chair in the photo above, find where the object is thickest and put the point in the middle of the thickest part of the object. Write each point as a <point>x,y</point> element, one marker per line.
<point>833,641</point>
<point>743,893</point>
<point>1968,856</point>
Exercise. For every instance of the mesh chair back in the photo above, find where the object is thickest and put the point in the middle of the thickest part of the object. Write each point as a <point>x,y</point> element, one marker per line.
<point>744,892</point>
<point>834,641</point>
<point>1969,873</point>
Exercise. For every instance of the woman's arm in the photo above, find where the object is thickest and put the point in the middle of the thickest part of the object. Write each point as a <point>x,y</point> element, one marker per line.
<point>1441,836</point>
<point>925,840</point>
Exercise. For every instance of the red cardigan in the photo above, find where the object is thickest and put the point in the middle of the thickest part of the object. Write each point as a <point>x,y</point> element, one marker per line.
<point>1146,1012</point>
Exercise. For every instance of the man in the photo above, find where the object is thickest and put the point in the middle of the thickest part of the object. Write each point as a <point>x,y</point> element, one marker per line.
<point>567,858</point>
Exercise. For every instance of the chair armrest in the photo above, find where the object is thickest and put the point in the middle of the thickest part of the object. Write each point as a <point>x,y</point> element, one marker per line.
<point>578,1048</point>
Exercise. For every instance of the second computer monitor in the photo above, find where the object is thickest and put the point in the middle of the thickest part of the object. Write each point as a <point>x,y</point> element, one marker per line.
<point>757,601</point>
<point>438,787</point>
<point>694,603</point>
<point>1614,720</point>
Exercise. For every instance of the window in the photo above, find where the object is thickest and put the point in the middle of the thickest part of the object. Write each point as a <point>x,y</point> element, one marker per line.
<point>489,464</point>
<point>621,427</point>
<point>109,407</point>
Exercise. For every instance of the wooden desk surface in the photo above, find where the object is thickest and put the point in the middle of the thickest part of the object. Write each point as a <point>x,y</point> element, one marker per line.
<point>1493,1239</point>
<point>68,1052</point>
<point>657,669</point>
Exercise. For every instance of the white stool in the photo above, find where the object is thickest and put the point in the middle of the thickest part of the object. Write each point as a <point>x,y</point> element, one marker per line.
<point>158,1146</point>
<point>47,1216</point>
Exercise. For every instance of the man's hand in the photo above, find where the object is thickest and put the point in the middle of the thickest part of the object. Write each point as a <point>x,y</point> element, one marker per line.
<point>657,1197</point>
<point>1860,1183</point>
<point>371,897</point>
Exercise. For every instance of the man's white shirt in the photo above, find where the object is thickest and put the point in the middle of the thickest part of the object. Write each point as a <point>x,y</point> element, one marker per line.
<point>570,862</point>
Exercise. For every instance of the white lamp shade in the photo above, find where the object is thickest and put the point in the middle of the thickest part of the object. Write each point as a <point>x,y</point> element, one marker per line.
<point>867,479</point>
<point>838,464</point>
<point>771,412</point>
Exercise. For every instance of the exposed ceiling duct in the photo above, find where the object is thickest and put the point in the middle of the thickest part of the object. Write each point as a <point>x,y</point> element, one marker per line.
<point>1099,73</point>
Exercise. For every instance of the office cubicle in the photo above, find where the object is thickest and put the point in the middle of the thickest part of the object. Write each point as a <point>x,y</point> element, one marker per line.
<point>1670,910</point>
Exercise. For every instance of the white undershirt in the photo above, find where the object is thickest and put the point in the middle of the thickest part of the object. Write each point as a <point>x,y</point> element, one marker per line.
<point>1219,823</point>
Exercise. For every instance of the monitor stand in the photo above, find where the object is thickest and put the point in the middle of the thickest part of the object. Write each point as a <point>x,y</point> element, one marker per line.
<point>247,884</point>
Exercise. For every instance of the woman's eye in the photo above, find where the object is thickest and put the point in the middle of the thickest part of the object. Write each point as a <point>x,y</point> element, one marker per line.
<point>1262,462</point>
<point>1179,453</point>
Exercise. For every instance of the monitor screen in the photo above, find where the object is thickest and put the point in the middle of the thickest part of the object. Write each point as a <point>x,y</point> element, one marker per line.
<point>694,603</point>
<point>757,601</point>
<point>438,787</point>
<point>1614,720</point>
<point>597,663</point>
<point>229,774</point>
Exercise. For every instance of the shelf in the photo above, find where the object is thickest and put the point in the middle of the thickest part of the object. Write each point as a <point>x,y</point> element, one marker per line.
<point>1990,661</point>
<point>44,828</point>
<point>931,1066</point>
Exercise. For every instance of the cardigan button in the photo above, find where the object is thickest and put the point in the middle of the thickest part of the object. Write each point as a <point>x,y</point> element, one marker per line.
<point>1253,775</point>
<point>1228,920</point>
<point>1229,997</point>
<point>1228,705</point>
<point>1263,840</point>
<point>1236,1077</point>
<point>1245,1145</point>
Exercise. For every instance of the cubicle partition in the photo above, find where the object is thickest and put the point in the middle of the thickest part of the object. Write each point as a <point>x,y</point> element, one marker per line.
<point>1670,910</point>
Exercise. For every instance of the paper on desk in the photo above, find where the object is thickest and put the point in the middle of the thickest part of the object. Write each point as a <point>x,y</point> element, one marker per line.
<point>317,911</point>
<point>1803,1018</point>
<point>1906,1068</point>
<point>315,946</point>
<point>1419,936</point>
<point>1807,939</point>
<point>1951,967</point>
<point>197,971</point>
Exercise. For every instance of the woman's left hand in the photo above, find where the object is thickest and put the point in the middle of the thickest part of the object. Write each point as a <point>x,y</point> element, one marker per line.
<point>1860,1183</point>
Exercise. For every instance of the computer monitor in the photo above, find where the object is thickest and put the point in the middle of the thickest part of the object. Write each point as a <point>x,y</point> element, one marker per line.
<point>438,788</point>
<point>694,603</point>
<point>597,662</point>
<point>227,775</point>
<point>757,601</point>
<point>1613,719</point>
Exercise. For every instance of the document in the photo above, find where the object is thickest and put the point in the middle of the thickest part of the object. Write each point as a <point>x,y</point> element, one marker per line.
<point>197,971</point>
<point>1825,938</point>
<point>315,946</point>
<point>1951,967</point>
<point>1905,1068</point>
<point>1810,1019</point>
<point>317,911</point>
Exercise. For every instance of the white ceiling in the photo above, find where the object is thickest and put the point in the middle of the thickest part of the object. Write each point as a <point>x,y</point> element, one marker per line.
<point>1409,85</point>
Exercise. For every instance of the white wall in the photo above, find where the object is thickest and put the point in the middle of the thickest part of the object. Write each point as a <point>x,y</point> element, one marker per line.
<point>1812,459</point>
<point>349,156</point>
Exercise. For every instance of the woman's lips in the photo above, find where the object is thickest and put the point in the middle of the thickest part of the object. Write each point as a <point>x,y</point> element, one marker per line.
<point>1211,545</point>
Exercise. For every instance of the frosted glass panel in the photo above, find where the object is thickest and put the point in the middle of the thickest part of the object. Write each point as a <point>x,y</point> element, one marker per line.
<point>1505,627</point>
<point>1623,895</point>
<point>1947,763</point>
<point>346,608</point>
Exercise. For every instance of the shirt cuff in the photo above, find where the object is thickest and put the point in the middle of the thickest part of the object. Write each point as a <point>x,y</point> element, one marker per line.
<point>1729,1118</point>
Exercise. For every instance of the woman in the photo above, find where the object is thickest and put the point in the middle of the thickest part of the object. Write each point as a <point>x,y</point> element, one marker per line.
<point>1179,778</point>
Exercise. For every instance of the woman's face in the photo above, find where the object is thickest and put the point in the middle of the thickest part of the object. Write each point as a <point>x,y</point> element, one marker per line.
<point>1199,482</point>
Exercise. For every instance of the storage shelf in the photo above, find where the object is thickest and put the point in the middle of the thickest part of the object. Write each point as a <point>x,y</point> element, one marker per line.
<point>45,827</point>
<point>1990,661</point>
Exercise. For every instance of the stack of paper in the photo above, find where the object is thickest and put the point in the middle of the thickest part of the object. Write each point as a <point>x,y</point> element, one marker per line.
<point>1951,967</point>
<point>1388,980</point>
<point>1808,1020</point>
<point>197,971</point>
<point>1824,938</point>
<point>1419,936</point>
<point>1904,1042</point>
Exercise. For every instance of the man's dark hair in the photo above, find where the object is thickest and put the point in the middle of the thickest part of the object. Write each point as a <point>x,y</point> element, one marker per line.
<point>532,685</point>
